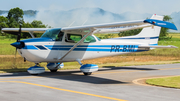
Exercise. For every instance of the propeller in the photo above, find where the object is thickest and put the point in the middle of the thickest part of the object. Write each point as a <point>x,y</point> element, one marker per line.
<point>18,41</point>
<point>18,44</point>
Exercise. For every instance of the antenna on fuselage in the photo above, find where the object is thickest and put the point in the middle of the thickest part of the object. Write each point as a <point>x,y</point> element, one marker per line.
<point>71,24</point>
<point>84,22</point>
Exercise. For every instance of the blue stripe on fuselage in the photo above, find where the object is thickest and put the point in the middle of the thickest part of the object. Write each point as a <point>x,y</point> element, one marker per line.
<point>139,38</point>
<point>61,46</point>
<point>100,48</point>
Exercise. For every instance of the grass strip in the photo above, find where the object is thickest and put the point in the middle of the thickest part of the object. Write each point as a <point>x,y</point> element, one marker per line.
<point>170,82</point>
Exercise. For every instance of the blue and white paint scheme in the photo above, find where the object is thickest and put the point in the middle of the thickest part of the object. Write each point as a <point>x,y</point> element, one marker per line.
<point>68,44</point>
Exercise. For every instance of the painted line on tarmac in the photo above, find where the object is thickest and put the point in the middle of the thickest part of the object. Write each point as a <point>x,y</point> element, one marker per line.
<point>19,78</point>
<point>137,81</point>
<point>77,92</point>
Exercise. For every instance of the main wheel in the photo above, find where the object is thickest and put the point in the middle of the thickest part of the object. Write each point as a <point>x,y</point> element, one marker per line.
<point>88,73</point>
<point>53,70</point>
<point>34,74</point>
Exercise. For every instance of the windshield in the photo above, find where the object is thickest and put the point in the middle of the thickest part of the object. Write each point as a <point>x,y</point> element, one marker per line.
<point>51,33</point>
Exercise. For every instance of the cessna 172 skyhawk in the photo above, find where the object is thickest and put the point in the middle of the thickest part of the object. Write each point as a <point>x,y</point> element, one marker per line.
<point>58,45</point>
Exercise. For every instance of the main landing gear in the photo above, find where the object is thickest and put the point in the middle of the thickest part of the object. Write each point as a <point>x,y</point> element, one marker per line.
<point>53,67</point>
<point>35,70</point>
<point>87,69</point>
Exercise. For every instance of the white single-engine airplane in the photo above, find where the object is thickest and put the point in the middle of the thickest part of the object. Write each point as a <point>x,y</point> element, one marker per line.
<point>58,45</point>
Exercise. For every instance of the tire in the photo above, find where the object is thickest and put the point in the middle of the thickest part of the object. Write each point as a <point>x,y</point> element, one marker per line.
<point>88,73</point>
<point>53,70</point>
<point>34,74</point>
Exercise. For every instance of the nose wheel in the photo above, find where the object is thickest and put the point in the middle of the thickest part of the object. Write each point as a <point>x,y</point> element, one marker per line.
<point>53,70</point>
<point>35,70</point>
<point>87,73</point>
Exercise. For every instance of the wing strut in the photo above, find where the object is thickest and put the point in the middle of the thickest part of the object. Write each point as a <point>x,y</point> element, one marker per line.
<point>92,30</point>
<point>31,33</point>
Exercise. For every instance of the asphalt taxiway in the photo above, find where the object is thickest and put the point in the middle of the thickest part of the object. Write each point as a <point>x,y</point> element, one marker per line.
<point>108,84</point>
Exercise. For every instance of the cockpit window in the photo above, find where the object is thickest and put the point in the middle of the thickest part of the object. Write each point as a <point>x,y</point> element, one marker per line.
<point>74,38</point>
<point>59,37</point>
<point>98,38</point>
<point>89,39</point>
<point>51,33</point>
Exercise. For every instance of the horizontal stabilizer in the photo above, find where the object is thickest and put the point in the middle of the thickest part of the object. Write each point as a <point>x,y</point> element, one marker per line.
<point>169,46</point>
<point>161,23</point>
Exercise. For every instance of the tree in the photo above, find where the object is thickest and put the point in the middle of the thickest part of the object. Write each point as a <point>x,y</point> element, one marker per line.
<point>3,23</point>
<point>38,24</point>
<point>15,17</point>
<point>129,33</point>
<point>164,31</point>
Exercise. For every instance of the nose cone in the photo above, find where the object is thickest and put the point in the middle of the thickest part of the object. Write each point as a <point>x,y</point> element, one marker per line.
<point>18,45</point>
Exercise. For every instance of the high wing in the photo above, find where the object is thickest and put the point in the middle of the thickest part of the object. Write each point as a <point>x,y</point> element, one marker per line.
<point>107,27</point>
<point>101,28</point>
<point>34,30</point>
<point>121,26</point>
<point>15,31</point>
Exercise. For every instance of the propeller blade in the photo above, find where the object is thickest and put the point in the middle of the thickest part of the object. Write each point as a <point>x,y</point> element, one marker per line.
<point>15,53</point>
<point>18,40</point>
<point>19,34</point>
<point>14,63</point>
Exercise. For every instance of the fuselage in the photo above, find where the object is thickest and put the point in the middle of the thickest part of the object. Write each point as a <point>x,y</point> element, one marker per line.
<point>48,50</point>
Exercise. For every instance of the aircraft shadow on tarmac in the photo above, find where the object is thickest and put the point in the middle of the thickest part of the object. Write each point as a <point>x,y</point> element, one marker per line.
<point>72,76</point>
<point>124,68</point>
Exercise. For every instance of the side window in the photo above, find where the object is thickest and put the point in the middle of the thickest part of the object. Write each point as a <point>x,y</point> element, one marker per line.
<point>89,39</point>
<point>59,36</point>
<point>73,38</point>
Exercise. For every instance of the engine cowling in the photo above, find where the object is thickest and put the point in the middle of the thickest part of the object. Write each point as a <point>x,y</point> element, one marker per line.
<point>87,68</point>
<point>36,70</point>
<point>55,66</point>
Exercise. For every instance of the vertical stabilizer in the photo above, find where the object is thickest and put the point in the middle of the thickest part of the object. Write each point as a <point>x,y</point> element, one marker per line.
<point>150,34</point>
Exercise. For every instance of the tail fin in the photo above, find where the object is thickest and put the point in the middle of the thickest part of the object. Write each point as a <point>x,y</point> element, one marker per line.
<point>150,34</point>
